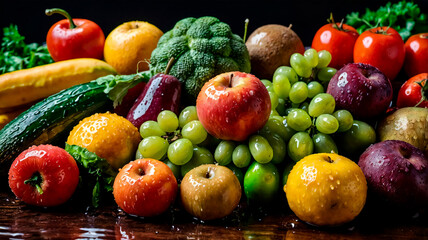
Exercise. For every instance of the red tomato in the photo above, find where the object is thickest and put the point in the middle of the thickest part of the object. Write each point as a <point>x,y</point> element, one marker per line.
<point>416,60</point>
<point>74,38</point>
<point>145,187</point>
<point>339,40</point>
<point>414,92</point>
<point>381,47</point>
<point>44,175</point>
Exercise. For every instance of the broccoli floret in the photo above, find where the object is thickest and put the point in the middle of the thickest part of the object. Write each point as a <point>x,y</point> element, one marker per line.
<point>202,48</point>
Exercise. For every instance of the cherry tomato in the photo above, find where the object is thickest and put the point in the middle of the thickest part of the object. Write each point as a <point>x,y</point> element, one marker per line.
<point>416,60</point>
<point>339,40</point>
<point>74,38</point>
<point>381,47</point>
<point>413,92</point>
<point>44,175</point>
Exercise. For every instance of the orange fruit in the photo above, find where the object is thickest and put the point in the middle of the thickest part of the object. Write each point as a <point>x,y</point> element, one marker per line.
<point>326,189</point>
<point>129,46</point>
<point>109,136</point>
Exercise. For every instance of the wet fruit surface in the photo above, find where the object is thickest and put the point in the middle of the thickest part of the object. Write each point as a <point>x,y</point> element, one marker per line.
<point>326,189</point>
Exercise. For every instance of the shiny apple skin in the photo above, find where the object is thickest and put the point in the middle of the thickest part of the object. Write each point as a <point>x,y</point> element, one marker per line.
<point>233,105</point>
<point>145,187</point>
<point>210,191</point>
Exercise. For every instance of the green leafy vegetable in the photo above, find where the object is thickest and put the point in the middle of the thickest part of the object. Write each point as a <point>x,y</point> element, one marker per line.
<point>405,17</point>
<point>99,171</point>
<point>15,54</point>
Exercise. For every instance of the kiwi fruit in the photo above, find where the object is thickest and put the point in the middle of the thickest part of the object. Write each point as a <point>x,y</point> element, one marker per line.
<point>271,46</point>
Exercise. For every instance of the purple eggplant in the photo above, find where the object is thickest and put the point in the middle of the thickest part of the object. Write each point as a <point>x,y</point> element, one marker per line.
<point>162,92</point>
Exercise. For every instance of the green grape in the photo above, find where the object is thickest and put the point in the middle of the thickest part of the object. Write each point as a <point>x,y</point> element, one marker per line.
<point>268,84</point>
<point>300,146</point>
<point>273,112</point>
<point>138,155</point>
<point>180,151</point>
<point>298,92</point>
<point>278,146</point>
<point>304,106</point>
<point>153,147</point>
<point>281,85</point>
<point>176,169</point>
<point>275,125</point>
<point>288,72</point>
<point>320,104</point>
<point>325,74</point>
<point>300,65</point>
<point>224,151</point>
<point>286,172</point>
<point>200,156</point>
<point>299,120</point>
<point>186,115</point>
<point>327,123</point>
<point>345,119</point>
<point>324,58</point>
<point>281,109</point>
<point>151,128</point>
<point>311,56</point>
<point>314,88</point>
<point>273,99</point>
<point>238,172</point>
<point>324,143</point>
<point>168,121</point>
<point>194,131</point>
<point>241,156</point>
<point>260,149</point>
<point>354,141</point>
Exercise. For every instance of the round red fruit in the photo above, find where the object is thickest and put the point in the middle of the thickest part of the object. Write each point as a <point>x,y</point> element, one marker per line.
<point>233,105</point>
<point>381,47</point>
<point>416,60</point>
<point>145,187</point>
<point>339,40</point>
<point>413,93</point>
<point>44,175</point>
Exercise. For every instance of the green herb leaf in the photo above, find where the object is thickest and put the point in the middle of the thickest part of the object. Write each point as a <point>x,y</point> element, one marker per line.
<point>15,54</point>
<point>98,170</point>
<point>403,16</point>
<point>118,85</point>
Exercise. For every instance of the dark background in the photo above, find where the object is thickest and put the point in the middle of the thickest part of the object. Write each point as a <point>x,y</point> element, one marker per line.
<point>305,16</point>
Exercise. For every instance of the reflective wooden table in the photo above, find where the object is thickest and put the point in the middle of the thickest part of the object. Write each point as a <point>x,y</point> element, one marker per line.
<point>75,220</point>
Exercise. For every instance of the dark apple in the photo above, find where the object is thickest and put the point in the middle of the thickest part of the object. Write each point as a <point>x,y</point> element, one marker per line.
<point>361,89</point>
<point>210,191</point>
<point>145,187</point>
<point>396,173</point>
<point>233,105</point>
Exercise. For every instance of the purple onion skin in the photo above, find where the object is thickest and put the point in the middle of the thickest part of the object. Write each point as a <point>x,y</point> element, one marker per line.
<point>162,92</point>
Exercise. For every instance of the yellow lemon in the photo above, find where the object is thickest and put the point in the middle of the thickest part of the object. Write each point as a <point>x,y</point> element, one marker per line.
<point>108,135</point>
<point>326,189</point>
<point>129,46</point>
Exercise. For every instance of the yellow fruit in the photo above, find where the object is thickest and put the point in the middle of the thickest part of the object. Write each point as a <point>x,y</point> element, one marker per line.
<point>326,189</point>
<point>129,46</point>
<point>108,135</point>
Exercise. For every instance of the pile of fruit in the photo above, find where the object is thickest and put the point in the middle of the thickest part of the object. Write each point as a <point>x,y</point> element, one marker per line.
<point>197,117</point>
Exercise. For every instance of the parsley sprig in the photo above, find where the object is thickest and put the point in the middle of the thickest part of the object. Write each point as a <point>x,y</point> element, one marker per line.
<point>15,54</point>
<point>403,16</point>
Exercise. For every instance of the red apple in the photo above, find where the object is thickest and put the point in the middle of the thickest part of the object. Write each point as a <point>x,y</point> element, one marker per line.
<point>210,191</point>
<point>44,175</point>
<point>145,187</point>
<point>361,89</point>
<point>233,105</point>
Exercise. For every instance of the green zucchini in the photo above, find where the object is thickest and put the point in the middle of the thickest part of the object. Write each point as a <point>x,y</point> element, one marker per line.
<point>53,118</point>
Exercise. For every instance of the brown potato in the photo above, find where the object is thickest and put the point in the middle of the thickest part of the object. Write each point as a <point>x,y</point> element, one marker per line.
<point>270,46</point>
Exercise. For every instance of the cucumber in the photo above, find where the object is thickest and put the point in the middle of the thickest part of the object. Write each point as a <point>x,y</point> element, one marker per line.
<point>53,118</point>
